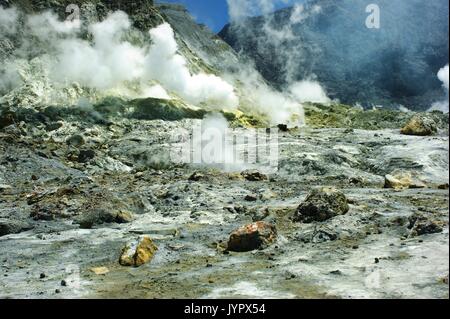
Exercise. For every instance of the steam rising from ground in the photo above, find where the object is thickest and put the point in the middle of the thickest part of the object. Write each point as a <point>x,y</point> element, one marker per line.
<point>110,62</point>
<point>281,106</point>
<point>273,36</point>
<point>443,75</point>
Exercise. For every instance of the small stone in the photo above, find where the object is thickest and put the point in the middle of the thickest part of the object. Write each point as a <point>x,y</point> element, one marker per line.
<point>254,176</point>
<point>267,194</point>
<point>283,127</point>
<point>75,140</point>
<point>253,236</point>
<point>321,205</point>
<point>57,291</point>
<point>443,186</point>
<point>377,260</point>
<point>251,198</point>
<point>63,283</point>
<point>100,270</point>
<point>85,156</point>
<point>42,276</point>
<point>138,252</point>
<point>421,225</point>
<point>103,216</point>
<point>5,189</point>
<point>195,177</point>
<point>138,175</point>
<point>53,126</point>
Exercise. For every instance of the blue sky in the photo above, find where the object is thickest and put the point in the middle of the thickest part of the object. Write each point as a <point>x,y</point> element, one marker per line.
<point>213,13</point>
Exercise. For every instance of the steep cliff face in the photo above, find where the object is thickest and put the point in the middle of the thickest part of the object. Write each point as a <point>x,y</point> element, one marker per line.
<point>186,56</point>
<point>199,38</point>
<point>395,64</point>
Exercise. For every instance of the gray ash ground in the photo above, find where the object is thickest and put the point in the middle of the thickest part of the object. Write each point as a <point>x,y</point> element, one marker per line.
<point>49,185</point>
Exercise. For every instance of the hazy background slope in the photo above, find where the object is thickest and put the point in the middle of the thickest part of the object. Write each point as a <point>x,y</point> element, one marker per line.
<point>396,64</point>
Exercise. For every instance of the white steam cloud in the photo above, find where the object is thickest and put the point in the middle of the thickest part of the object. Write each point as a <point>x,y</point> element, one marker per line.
<point>282,107</point>
<point>110,62</point>
<point>443,76</point>
<point>309,91</point>
<point>8,20</point>
<point>165,65</point>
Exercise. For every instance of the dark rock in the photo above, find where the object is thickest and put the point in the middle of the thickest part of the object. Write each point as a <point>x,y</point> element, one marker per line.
<point>251,198</point>
<point>85,156</point>
<point>318,236</point>
<point>420,224</point>
<point>8,226</point>
<point>103,216</point>
<point>321,205</point>
<point>254,176</point>
<point>196,177</point>
<point>6,118</point>
<point>53,126</point>
<point>253,236</point>
<point>45,212</point>
<point>75,140</point>
<point>5,189</point>
<point>283,128</point>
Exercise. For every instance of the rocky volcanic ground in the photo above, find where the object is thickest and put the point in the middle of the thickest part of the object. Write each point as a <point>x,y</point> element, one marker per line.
<point>76,188</point>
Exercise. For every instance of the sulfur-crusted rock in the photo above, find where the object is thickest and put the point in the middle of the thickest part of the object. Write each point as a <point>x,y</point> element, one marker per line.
<point>420,125</point>
<point>402,180</point>
<point>321,205</point>
<point>138,253</point>
<point>253,236</point>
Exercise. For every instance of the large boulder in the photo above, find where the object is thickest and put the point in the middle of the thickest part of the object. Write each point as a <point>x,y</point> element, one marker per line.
<point>253,236</point>
<point>321,205</point>
<point>138,253</point>
<point>420,125</point>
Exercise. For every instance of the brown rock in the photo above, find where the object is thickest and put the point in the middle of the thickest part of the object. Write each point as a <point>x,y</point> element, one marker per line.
<point>254,176</point>
<point>420,125</point>
<point>253,236</point>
